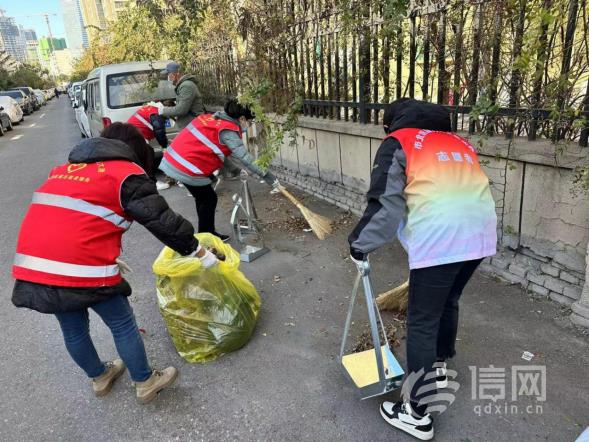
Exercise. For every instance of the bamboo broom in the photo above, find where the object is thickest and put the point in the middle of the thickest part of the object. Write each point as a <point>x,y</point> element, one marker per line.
<point>321,226</point>
<point>396,299</point>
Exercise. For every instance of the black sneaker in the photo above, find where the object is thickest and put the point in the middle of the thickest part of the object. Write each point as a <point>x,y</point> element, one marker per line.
<point>441,375</point>
<point>400,416</point>
<point>222,237</point>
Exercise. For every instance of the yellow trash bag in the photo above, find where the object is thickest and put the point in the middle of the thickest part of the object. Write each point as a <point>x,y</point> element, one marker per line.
<point>208,312</point>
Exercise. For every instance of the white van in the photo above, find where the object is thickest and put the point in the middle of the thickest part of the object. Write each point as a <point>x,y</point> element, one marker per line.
<point>114,92</point>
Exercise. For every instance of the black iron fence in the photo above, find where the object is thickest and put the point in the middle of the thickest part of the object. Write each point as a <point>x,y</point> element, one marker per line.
<point>509,67</point>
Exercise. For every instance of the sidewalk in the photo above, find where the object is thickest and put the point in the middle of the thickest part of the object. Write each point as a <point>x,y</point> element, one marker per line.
<point>286,384</point>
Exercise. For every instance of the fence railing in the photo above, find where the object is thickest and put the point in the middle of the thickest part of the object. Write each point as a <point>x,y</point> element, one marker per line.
<point>500,67</point>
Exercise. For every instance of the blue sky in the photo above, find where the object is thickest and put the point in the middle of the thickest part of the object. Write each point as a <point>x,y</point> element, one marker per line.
<point>19,9</point>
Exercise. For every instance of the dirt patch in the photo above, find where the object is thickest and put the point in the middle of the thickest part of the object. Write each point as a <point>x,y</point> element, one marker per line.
<point>394,330</point>
<point>290,225</point>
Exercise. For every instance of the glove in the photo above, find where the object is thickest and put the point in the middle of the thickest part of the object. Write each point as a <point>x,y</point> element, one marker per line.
<point>271,179</point>
<point>358,258</point>
<point>207,260</point>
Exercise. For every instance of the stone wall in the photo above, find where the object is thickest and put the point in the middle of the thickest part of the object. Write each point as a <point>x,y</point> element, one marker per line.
<point>543,227</point>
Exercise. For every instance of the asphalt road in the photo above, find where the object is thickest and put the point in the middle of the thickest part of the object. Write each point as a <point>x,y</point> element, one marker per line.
<point>286,384</point>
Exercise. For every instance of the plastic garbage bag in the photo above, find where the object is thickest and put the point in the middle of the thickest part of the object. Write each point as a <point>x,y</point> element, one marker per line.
<point>208,312</point>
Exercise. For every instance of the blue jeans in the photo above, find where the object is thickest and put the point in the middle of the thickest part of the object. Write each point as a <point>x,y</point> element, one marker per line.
<point>117,314</point>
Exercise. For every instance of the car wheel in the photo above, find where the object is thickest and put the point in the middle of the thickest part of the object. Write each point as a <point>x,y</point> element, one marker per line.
<point>82,134</point>
<point>22,118</point>
<point>9,125</point>
<point>1,130</point>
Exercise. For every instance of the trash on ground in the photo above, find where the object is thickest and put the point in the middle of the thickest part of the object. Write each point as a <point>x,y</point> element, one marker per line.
<point>527,356</point>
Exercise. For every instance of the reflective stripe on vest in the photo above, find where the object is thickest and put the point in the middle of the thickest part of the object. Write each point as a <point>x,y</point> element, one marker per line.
<point>204,140</point>
<point>144,121</point>
<point>64,268</point>
<point>79,205</point>
<point>184,162</point>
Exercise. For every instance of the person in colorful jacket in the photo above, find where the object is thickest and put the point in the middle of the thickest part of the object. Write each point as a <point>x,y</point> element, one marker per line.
<point>70,241</point>
<point>427,186</point>
<point>201,148</point>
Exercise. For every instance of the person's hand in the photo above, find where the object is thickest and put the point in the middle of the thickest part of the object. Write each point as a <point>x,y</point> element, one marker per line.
<point>358,258</point>
<point>207,259</point>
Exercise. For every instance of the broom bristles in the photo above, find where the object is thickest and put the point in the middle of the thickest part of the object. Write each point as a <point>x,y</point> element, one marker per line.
<point>320,225</point>
<point>396,299</point>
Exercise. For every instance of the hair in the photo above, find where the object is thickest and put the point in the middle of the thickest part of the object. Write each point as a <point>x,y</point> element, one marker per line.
<point>236,110</point>
<point>131,136</point>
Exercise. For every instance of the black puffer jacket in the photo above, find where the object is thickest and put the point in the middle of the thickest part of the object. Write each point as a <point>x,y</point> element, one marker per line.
<point>140,200</point>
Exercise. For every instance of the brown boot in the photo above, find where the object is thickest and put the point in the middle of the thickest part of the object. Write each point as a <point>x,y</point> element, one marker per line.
<point>103,383</point>
<point>159,379</point>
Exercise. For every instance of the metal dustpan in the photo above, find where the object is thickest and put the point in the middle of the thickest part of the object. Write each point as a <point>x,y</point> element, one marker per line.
<point>373,373</point>
<point>244,221</point>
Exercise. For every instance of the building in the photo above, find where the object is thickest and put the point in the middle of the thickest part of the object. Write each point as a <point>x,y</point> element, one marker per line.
<point>98,13</point>
<point>11,38</point>
<point>8,62</point>
<point>33,56</point>
<point>64,62</point>
<point>29,34</point>
<point>75,29</point>
<point>47,45</point>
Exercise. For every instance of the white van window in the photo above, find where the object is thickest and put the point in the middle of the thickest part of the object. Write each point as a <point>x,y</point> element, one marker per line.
<point>96,96</point>
<point>136,88</point>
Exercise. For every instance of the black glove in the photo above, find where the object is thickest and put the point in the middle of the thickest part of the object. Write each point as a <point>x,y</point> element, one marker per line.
<point>270,179</point>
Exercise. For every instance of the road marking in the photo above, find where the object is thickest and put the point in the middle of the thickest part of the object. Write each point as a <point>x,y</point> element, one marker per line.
<point>16,137</point>
<point>33,125</point>
<point>42,115</point>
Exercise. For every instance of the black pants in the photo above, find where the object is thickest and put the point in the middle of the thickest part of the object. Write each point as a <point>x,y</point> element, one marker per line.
<point>432,321</point>
<point>206,205</point>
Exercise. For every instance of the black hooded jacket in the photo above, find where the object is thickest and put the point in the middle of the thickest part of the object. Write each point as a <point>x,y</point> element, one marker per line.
<point>141,201</point>
<point>386,200</point>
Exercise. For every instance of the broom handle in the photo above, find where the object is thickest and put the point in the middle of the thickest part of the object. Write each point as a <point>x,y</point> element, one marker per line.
<point>290,196</point>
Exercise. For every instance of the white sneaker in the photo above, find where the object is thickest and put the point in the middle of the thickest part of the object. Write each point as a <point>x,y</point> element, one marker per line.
<point>160,185</point>
<point>441,375</point>
<point>400,416</point>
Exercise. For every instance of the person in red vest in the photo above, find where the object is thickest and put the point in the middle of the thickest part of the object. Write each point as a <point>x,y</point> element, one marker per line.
<point>201,148</point>
<point>70,241</point>
<point>152,126</point>
<point>428,187</point>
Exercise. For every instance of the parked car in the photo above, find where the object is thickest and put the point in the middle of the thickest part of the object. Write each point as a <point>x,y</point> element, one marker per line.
<point>5,123</point>
<point>114,92</point>
<point>21,98</point>
<point>41,98</point>
<point>81,117</point>
<point>72,92</point>
<point>11,107</point>
<point>31,94</point>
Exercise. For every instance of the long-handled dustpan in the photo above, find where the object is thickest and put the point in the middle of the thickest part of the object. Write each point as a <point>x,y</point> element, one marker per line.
<point>372,372</point>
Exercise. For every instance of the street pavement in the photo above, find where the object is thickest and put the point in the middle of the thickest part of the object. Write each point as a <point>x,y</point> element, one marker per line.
<point>286,384</point>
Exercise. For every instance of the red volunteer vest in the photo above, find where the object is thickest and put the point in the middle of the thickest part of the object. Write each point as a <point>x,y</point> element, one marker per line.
<point>71,234</point>
<point>450,211</point>
<point>197,150</point>
<point>141,120</point>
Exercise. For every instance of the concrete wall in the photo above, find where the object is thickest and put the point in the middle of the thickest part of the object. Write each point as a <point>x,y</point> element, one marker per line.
<point>543,227</point>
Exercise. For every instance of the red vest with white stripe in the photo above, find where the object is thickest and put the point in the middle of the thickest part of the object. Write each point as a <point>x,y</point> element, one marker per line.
<point>141,120</point>
<point>197,150</point>
<point>71,234</point>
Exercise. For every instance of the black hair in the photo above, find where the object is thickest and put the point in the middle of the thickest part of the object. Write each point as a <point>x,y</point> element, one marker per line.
<point>131,136</point>
<point>235,110</point>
